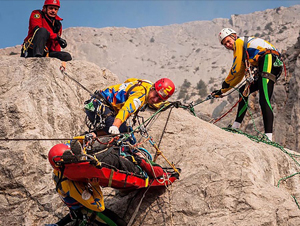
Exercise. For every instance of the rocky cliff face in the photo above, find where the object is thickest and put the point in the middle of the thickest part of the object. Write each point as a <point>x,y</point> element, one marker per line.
<point>191,51</point>
<point>226,179</point>
<point>287,119</point>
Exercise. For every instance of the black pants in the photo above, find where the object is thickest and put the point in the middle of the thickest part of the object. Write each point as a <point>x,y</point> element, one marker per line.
<point>112,158</point>
<point>38,49</point>
<point>265,87</point>
<point>112,217</point>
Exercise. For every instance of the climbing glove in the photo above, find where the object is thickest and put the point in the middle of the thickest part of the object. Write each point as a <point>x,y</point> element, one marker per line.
<point>113,130</point>
<point>62,42</point>
<point>217,93</point>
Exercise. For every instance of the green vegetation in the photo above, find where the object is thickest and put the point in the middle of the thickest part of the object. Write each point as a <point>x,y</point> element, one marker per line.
<point>202,89</point>
<point>183,90</point>
<point>268,27</point>
<point>185,94</point>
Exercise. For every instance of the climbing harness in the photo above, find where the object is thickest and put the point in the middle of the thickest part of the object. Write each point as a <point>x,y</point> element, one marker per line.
<point>264,139</point>
<point>97,105</point>
<point>28,44</point>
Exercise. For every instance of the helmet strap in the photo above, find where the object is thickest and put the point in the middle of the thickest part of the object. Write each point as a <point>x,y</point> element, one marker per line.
<point>233,36</point>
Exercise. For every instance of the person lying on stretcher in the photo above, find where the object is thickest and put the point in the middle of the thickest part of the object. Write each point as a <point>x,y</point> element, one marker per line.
<point>119,157</point>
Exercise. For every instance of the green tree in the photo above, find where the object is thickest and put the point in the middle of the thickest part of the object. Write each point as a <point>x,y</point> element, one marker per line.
<point>183,89</point>
<point>186,84</point>
<point>202,89</point>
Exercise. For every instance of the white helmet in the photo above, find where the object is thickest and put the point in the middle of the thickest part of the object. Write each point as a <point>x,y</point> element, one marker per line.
<point>225,32</point>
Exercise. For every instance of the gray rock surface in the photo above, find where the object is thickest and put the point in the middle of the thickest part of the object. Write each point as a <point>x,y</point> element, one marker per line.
<point>226,179</point>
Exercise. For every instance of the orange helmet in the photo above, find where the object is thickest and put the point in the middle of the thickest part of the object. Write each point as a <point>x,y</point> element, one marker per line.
<point>164,87</point>
<point>52,2</point>
<point>56,151</point>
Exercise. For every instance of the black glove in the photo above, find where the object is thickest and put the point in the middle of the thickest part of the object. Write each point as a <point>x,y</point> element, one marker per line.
<point>62,42</point>
<point>177,104</point>
<point>217,93</point>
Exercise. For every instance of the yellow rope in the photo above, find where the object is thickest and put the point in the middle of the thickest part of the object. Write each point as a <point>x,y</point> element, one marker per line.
<point>27,45</point>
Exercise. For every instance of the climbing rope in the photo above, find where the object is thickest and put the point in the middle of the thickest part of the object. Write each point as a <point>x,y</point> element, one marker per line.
<point>63,71</point>
<point>138,206</point>
<point>262,137</point>
<point>226,113</point>
<point>164,129</point>
<point>265,140</point>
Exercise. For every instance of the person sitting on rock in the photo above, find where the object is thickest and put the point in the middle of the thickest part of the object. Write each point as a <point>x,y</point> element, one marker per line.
<point>259,54</point>
<point>44,33</point>
<point>108,109</point>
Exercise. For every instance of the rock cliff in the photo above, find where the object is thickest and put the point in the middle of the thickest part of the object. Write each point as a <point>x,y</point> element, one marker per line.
<point>226,179</point>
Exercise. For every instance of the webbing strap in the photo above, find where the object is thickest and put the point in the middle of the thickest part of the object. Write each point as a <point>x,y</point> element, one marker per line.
<point>269,76</point>
<point>110,178</point>
<point>60,178</point>
<point>245,48</point>
<point>29,43</point>
<point>125,182</point>
<point>135,85</point>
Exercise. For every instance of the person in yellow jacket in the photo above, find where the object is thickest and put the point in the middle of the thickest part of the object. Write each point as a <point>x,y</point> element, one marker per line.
<point>82,198</point>
<point>108,110</point>
<point>259,54</point>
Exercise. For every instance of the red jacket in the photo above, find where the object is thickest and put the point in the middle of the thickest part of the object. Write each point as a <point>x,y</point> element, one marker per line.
<point>40,19</point>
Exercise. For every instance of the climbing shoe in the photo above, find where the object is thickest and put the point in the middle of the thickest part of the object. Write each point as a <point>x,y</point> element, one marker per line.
<point>69,157</point>
<point>76,148</point>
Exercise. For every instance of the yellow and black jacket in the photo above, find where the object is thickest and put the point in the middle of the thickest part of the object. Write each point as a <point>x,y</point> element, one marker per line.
<point>78,194</point>
<point>256,47</point>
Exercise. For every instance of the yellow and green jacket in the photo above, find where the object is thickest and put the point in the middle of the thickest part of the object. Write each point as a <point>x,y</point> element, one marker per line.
<point>256,47</point>
<point>124,103</point>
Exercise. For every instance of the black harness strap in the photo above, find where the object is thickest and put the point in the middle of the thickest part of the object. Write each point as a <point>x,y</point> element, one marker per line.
<point>60,178</point>
<point>135,85</point>
<point>245,53</point>
<point>98,95</point>
<point>125,182</point>
<point>128,93</point>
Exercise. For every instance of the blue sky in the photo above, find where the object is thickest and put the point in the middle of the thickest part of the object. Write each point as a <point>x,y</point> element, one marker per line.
<point>14,15</point>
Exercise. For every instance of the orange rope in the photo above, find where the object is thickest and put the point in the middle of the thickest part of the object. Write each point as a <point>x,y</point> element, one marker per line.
<point>228,110</point>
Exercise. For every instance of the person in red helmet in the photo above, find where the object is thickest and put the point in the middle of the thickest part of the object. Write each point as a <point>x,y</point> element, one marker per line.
<point>108,110</point>
<point>71,193</point>
<point>44,33</point>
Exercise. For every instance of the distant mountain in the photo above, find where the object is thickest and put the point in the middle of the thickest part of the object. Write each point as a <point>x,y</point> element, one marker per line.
<point>180,51</point>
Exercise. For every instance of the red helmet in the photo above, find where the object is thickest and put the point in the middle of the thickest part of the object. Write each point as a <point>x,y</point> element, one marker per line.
<point>56,150</point>
<point>52,2</point>
<point>164,87</point>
